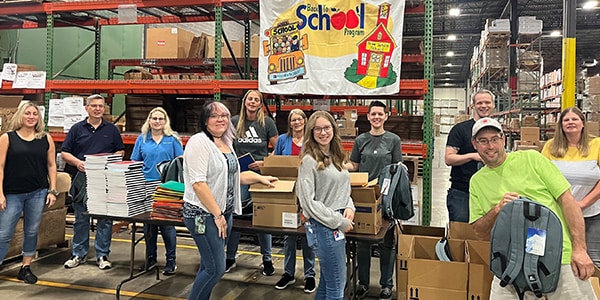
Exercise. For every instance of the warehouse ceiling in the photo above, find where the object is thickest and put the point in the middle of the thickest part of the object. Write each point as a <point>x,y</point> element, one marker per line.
<point>468,26</point>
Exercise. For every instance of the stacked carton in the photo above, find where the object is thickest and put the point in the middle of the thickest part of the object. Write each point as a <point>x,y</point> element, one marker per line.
<point>168,42</point>
<point>277,206</point>
<point>347,124</point>
<point>365,195</point>
<point>530,139</point>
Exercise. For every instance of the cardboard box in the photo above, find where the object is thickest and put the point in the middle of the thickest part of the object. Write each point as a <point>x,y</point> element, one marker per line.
<point>426,272</point>
<point>8,107</point>
<point>365,194</point>
<point>168,42</point>
<point>276,215</point>
<point>236,46</point>
<point>281,166</point>
<point>136,73</point>
<point>359,178</point>
<point>284,192</point>
<point>367,218</point>
<point>51,232</point>
<point>531,134</point>
<point>593,128</point>
<point>480,276</point>
<point>254,46</point>
<point>427,293</point>
<point>463,231</point>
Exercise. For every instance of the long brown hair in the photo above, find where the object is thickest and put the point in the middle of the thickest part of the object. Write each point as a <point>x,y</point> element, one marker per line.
<point>336,155</point>
<point>260,114</point>
<point>560,144</point>
<point>17,120</point>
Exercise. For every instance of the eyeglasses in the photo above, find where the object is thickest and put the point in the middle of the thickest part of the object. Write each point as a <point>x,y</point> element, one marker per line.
<point>215,116</point>
<point>321,129</point>
<point>495,140</point>
<point>160,119</point>
<point>296,120</point>
<point>96,105</point>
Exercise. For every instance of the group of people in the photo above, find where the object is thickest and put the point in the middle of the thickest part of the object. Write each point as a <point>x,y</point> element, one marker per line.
<point>565,177</point>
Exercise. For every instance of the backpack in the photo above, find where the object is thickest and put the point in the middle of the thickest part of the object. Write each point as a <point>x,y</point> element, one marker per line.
<point>526,247</point>
<point>171,170</point>
<point>396,195</point>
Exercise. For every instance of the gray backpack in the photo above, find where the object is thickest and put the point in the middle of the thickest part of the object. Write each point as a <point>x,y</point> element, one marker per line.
<point>526,247</point>
<point>396,194</point>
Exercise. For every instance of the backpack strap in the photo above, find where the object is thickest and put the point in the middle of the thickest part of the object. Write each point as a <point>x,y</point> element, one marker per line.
<point>387,198</point>
<point>535,218</point>
<point>517,244</point>
<point>406,191</point>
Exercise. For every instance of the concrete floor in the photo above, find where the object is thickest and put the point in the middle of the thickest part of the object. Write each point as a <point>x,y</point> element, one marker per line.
<point>245,282</point>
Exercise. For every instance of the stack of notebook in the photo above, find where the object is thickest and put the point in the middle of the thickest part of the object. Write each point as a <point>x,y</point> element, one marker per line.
<point>126,189</point>
<point>168,201</point>
<point>95,170</point>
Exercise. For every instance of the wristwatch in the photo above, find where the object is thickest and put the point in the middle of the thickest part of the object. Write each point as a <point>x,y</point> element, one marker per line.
<point>54,192</point>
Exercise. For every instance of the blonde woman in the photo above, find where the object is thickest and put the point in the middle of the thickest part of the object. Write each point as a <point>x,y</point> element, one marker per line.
<point>323,188</point>
<point>254,132</point>
<point>157,143</point>
<point>27,153</point>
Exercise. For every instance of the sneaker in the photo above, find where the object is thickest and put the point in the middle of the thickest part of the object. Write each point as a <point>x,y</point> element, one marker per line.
<point>74,261</point>
<point>309,285</point>
<point>149,264</point>
<point>229,265</point>
<point>385,294</point>
<point>103,263</point>
<point>170,267</point>
<point>268,269</point>
<point>285,281</point>
<point>362,291</point>
<point>26,275</point>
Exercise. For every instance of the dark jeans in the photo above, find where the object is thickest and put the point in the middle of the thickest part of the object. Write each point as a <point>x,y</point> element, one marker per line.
<point>592,232</point>
<point>169,235</point>
<point>387,259</point>
<point>457,202</point>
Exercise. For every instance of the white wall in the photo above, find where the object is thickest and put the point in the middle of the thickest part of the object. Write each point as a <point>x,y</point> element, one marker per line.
<point>451,93</point>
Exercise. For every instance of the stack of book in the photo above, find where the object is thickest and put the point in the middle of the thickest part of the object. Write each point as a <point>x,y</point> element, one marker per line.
<point>168,202</point>
<point>95,170</point>
<point>126,189</point>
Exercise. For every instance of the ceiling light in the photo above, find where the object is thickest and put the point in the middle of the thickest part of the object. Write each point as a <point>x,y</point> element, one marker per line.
<point>454,11</point>
<point>555,33</point>
<point>447,78</point>
<point>446,83</point>
<point>452,37</point>
<point>450,53</point>
<point>449,65</point>
<point>590,63</point>
<point>590,4</point>
<point>448,73</point>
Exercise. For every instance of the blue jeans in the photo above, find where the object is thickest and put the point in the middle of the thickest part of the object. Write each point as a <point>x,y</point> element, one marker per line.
<point>169,235</point>
<point>387,259</point>
<point>31,205</point>
<point>289,261</point>
<point>212,257</point>
<point>81,233</point>
<point>265,240</point>
<point>332,260</point>
<point>592,232</point>
<point>457,203</point>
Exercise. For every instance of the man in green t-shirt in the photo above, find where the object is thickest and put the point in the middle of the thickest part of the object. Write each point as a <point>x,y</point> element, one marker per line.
<point>505,178</point>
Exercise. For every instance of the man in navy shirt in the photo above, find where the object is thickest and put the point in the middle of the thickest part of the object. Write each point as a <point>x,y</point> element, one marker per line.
<point>91,136</point>
<point>463,158</point>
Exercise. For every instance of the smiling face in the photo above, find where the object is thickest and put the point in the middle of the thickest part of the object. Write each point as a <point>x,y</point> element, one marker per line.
<point>297,123</point>
<point>377,117</point>
<point>252,103</point>
<point>323,133</point>
<point>483,105</point>
<point>489,143</point>
<point>31,117</point>
<point>572,123</point>
<point>157,121</point>
<point>95,108</point>
<point>217,121</point>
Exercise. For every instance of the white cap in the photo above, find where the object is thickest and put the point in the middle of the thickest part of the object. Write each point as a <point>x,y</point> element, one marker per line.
<point>485,122</point>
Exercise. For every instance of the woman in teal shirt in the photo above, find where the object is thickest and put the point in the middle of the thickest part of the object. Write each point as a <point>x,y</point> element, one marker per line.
<point>157,143</point>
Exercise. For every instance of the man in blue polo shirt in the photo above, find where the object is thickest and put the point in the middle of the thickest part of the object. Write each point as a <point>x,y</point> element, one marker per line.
<point>91,136</point>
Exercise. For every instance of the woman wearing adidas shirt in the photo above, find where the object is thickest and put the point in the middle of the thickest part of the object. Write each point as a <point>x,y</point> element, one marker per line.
<point>577,156</point>
<point>254,132</point>
<point>323,189</point>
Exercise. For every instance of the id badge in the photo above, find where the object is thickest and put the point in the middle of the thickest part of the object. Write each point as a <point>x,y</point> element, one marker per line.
<point>338,235</point>
<point>200,224</point>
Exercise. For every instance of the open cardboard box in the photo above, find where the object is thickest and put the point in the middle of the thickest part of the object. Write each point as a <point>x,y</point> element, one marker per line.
<point>359,179</point>
<point>480,276</point>
<point>284,192</point>
<point>276,215</point>
<point>367,218</point>
<point>281,166</point>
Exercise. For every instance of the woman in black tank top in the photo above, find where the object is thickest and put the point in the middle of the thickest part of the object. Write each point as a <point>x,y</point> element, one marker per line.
<point>28,175</point>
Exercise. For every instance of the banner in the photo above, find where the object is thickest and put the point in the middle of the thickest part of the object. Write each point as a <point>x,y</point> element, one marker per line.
<point>332,47</point>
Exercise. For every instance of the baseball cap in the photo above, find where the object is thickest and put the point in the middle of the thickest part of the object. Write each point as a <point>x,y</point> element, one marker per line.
<point>485,122</point>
